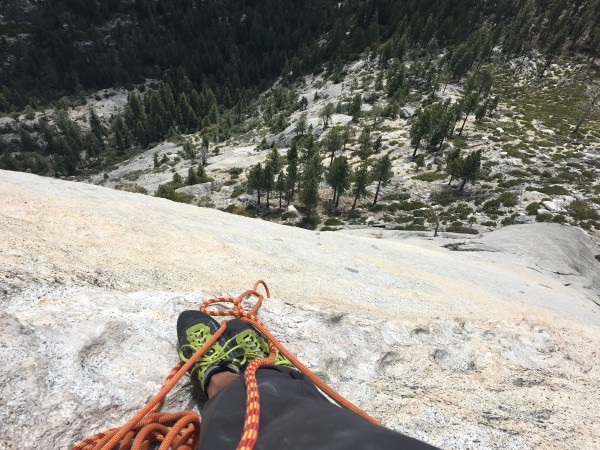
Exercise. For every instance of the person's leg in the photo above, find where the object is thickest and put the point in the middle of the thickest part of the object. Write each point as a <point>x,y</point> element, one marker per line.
<point>218,381</point>
<point>293,415</point>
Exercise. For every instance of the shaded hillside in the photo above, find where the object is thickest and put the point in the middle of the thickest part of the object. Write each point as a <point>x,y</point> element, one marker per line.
<point>213,57</point>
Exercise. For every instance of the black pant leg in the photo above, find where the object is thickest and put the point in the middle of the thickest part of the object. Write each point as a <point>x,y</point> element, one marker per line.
<point>293,415</point>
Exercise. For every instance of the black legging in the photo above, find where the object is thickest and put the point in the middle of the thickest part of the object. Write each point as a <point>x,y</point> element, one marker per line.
<point>293,415</point>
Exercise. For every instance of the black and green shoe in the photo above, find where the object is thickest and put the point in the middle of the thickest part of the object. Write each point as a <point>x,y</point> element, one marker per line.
<point>252,342</point>
<point>194,329</point>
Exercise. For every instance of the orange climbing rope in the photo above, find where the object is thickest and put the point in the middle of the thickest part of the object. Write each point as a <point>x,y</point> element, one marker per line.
<point>181,430</point>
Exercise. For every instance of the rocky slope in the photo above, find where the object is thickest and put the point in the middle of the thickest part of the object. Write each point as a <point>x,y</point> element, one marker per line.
<point>494,347</point>
<point>533,169</point>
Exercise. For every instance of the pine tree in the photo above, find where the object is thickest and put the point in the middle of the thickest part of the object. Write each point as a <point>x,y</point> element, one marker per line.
<point>121,134</point>
<point>96,126</point>
<point>177,179</point>
<point>188,150</point>
<point>382,173</point>
<point>271,168</point>
<point>355,107</point>
<point>338,177</point>
<point>326,114</point>
<point>159,119</point>
<point>292,170</point>
<point>192,177</point>
<point>301,124</point>
<point>333,142</point>
<point>365,143</point>
<point>470,168</point>
<point>201,172</point>
<point>553,50</point>
<point>166,95</point>
<point>70,130</point>
<point>255,180</point>
<point>186,117</point>
<point>420,127</point>
<point>468,106</point>
<point>273,161</point>
<point>361,179</point>
<point>134,110</point>
<point>204,150</point>
<point>467,169</point>
<point>311,176</point>
<point>453,163</point>
<point>28,142</point>
<point>281,186</point>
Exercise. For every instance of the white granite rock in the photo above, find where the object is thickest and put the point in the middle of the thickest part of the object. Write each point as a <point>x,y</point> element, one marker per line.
<point>472,349</point>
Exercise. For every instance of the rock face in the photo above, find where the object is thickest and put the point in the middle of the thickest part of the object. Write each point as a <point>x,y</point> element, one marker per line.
<point>197,189</point>
<point>495,347</point>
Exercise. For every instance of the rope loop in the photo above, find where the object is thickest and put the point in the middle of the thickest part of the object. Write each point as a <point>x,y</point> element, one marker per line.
<point>181,430</point>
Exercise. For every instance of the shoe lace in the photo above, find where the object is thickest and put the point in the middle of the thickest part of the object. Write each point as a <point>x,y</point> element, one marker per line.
<point>252,345</point>
<point>197,336</point>
<point>255,346</point>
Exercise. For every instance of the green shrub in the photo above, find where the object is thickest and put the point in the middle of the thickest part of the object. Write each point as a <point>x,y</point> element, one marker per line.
<point>241,211</point>
<point>167,191</point>
<point>328,229</point>
<point>559,218</point>
<point>543,218</point>
<point>491,207</point>
<point>406,206</point>
<point>289,215</point>
<point>416,227</point>
<point>511,183</point>
<point>235,171</point>
<point>509,220</point>
<point>518,173</point>
<point>431,176</point>
<point>333,222</point>
<point>462,210</point>
<point>313,221</point>
<point>581,210</point>
<point>461,229</point>
<point>443,198</point>
<point>230,183</point>
<point>376,208</point>
<point>490,223</point>
<point>237,191</point>
<point>550,190</point>
<point>508,199</point>
<point>398,196</point>
<point>532,208</point>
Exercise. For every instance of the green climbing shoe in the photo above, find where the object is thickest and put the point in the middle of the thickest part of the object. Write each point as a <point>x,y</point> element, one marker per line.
<point>253,343</point>
<point>194,329</point>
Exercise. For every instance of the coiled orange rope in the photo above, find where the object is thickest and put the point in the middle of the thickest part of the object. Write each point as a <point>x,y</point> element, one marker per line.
<point>181,430</point>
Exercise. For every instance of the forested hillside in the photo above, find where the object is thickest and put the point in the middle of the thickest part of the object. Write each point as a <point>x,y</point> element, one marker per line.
<point>65,47</point>
<point>87,86</point>
<point>215,56</point>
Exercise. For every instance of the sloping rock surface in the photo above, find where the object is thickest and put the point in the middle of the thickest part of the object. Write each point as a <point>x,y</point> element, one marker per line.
<point>461,349</point>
